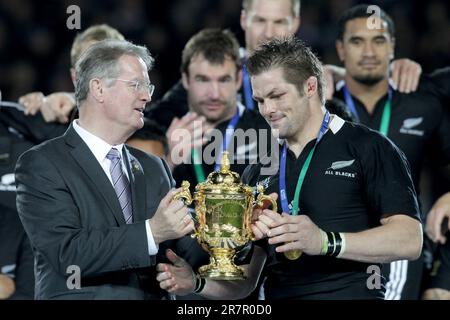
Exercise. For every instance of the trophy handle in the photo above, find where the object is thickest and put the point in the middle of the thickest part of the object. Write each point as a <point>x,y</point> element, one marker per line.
<point>291,254</point>
<point>199,218</point>
<point>184,195</point>
<point>260,202</point>
<point>262,198</point>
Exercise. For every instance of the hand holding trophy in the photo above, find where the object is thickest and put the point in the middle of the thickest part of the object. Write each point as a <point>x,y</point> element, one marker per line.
<point>223,208</point>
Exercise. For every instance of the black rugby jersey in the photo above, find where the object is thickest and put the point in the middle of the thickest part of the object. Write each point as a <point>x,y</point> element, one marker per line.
<point>419,126</point>
<point>355,178</point>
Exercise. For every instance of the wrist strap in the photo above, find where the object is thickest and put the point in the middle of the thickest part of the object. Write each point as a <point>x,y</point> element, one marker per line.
<point>333,244</point>
<point>337,244</point>
<point>331,241</point>
<point>199,283</point>
<point>343,245</point>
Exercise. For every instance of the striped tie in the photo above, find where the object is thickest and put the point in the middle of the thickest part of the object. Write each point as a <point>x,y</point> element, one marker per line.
<point>121,184</point>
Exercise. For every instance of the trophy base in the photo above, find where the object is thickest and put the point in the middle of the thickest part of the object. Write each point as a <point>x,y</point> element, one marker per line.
<point>222,267</point>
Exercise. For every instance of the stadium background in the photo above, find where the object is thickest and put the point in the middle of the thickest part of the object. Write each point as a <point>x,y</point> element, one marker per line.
<point>35,41</point>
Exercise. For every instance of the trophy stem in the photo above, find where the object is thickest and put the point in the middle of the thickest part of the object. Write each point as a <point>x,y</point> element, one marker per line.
<point>221,266</point>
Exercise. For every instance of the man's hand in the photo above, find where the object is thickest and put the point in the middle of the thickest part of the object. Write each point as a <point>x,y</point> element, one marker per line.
<point>7,287</point>
<point>178,278</point>
<point>32,102</point>
<point>406,74</point>
<point>57,107</point>
<point>260,229</point>
<point>435,218</point>
<point>292,232</point>
<point>171,220</point>
<point>184,134</point>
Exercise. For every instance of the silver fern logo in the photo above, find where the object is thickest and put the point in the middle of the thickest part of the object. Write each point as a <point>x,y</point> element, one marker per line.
<point>412,122</point>
<point>8,269</point>
<point>409,124</point>
<point>7,182</point>
<point>338,165</point>
<point>341,164</point>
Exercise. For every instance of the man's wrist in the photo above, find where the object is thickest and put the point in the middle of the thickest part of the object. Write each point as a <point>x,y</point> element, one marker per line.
<point>324,242</point>
<point>152,237</point>
<point>199,284</point>
<point>333,244</point>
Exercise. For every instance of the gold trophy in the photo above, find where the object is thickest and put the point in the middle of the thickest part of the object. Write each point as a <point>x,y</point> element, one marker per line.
<point>224,207</point>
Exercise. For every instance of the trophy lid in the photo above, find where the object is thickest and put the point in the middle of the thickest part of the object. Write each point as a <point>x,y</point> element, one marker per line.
<point>224,175</point>
<point>223,180</point>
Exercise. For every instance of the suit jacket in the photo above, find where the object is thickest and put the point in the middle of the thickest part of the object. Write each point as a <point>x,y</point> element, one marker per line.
<point>72,215</point>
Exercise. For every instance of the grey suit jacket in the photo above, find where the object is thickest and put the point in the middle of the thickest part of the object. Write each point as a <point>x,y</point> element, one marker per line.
<point>72,215</point>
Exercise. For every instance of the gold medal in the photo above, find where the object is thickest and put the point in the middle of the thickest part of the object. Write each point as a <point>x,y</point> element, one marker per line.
<point>293,254</point>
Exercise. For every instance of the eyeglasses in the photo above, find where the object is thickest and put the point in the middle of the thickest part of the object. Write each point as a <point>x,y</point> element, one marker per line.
<point>139,85</point>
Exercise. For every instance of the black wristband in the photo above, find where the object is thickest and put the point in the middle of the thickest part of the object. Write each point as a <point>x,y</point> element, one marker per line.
<point>338,244</point>
<point>330,249</point>
<point>199,284</point>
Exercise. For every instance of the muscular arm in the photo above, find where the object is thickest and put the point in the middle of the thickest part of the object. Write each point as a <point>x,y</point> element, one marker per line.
<point>399,237</point>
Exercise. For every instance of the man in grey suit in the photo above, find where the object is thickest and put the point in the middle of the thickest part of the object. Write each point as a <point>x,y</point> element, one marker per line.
<point>98,212</point>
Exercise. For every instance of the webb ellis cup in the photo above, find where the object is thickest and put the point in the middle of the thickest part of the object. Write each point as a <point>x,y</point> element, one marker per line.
<point>223,208</point>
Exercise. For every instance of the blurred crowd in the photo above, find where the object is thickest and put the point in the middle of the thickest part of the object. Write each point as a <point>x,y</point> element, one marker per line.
<point>35,41</point>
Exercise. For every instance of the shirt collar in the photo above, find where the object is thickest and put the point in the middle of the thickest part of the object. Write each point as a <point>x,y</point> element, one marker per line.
<point>335,125</point>
<point>98,146</point>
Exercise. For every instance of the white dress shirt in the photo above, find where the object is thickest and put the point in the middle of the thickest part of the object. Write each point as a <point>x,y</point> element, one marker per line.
<point>100,149</point>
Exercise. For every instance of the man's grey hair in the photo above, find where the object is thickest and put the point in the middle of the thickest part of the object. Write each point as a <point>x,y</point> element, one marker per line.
<point>101,61</point>
<point>295,6</point>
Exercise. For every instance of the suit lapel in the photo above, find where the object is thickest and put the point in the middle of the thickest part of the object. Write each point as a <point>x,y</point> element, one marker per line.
<point>89,164</point>
<point>138,186</point>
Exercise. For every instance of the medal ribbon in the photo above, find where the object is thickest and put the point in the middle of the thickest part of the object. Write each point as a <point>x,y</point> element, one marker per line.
<point>303,171</point>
